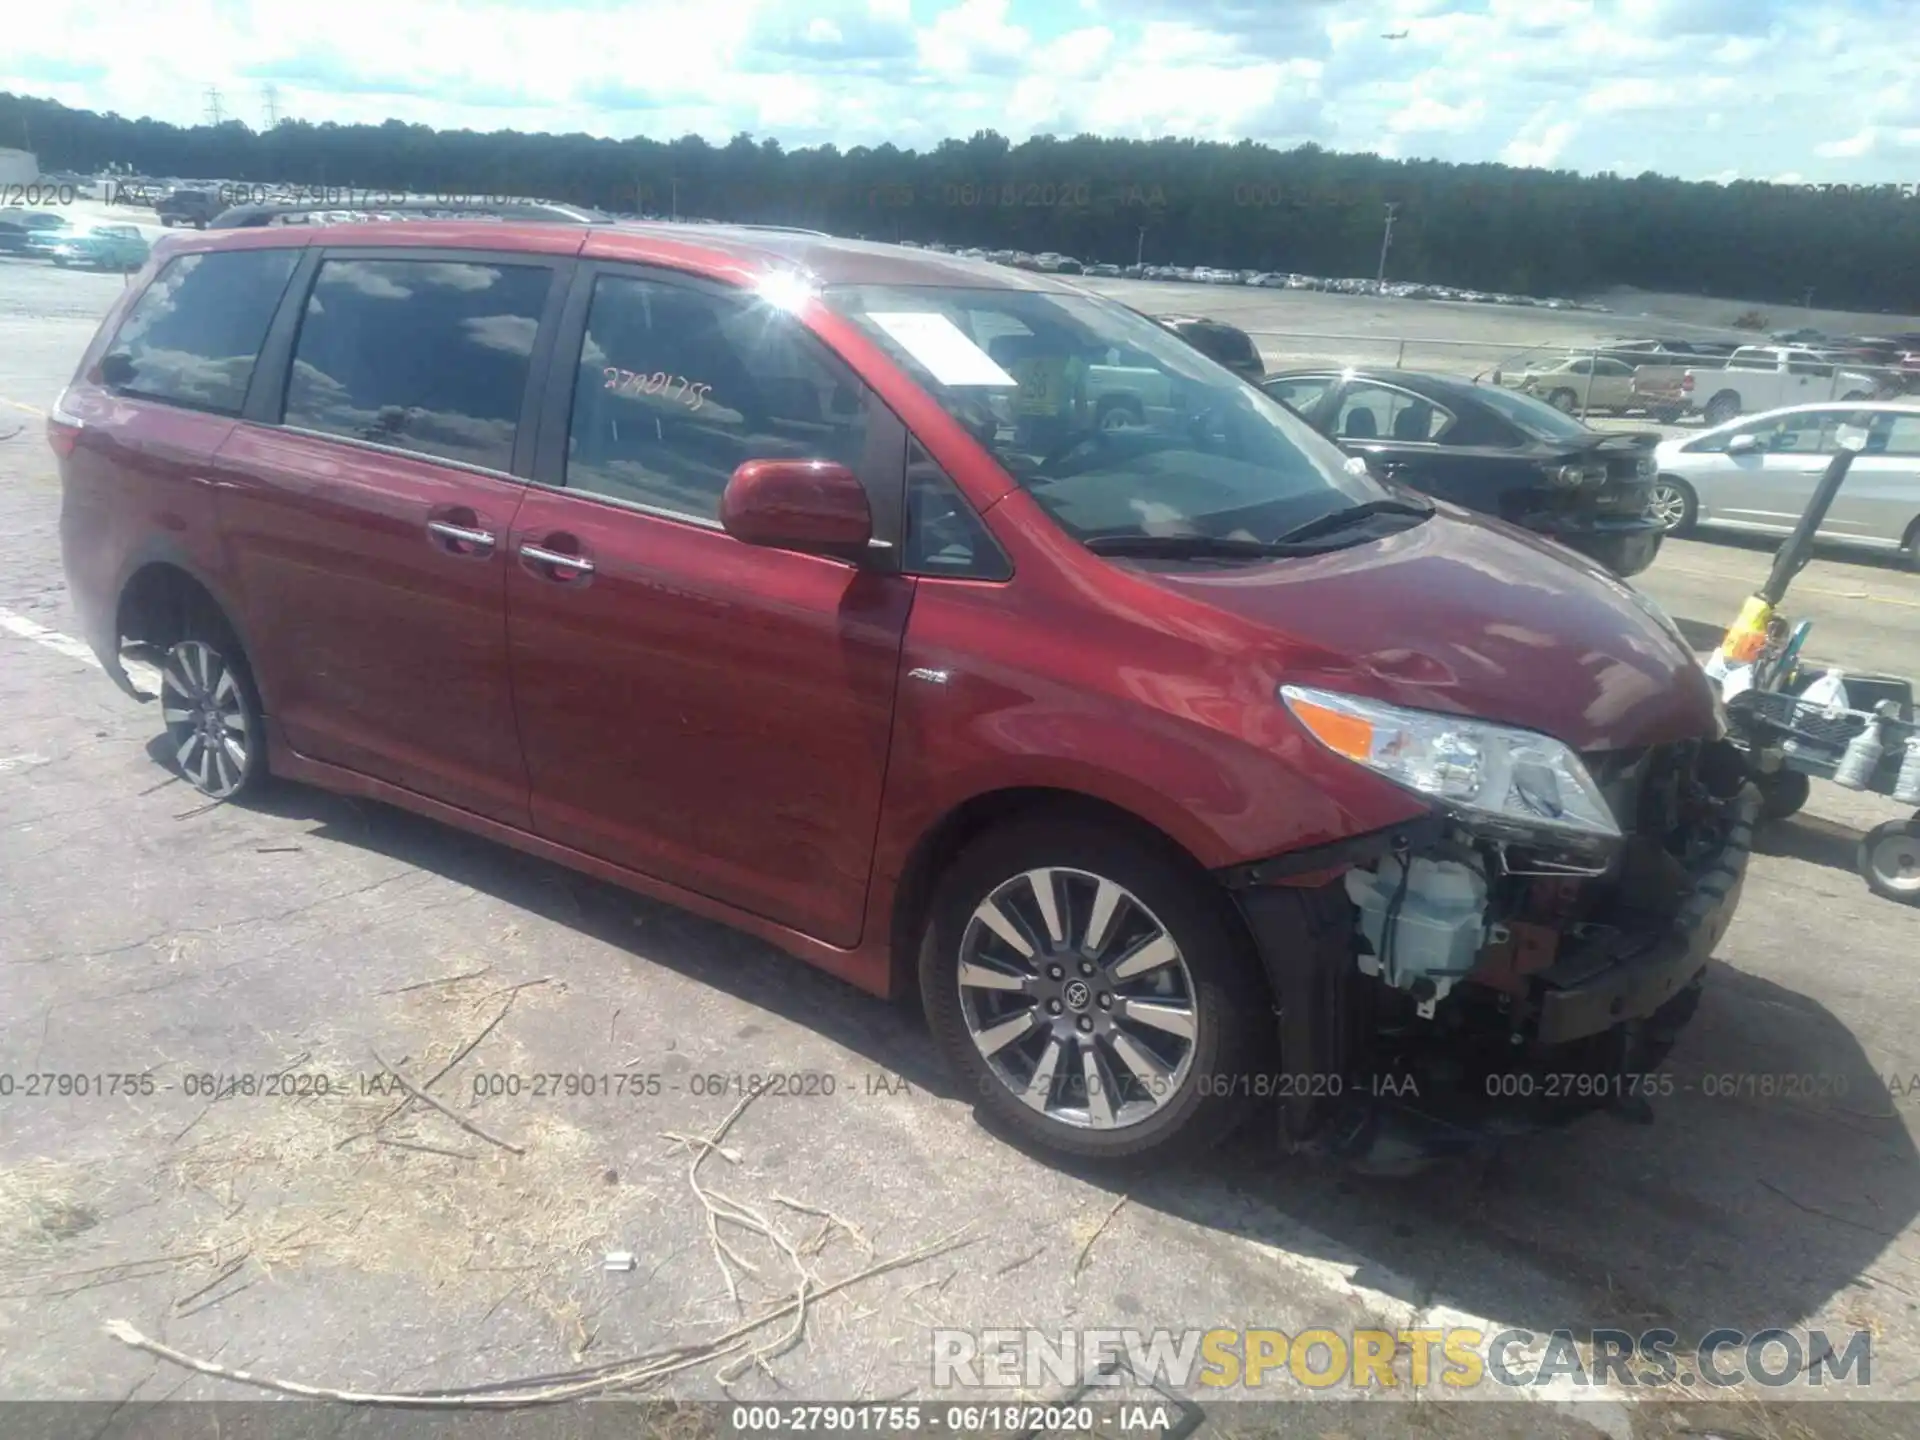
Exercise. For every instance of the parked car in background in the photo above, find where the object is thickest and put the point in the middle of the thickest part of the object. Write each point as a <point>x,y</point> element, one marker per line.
<point>1153,759</point>
<point>106,247</point>
<point>188,207</point>
<point>20,230</point>
<point>1758,473</point>
<point>1770,377</point>
<point>1581,382</point>
<point>1217,340</point>
<point>1490,449</point>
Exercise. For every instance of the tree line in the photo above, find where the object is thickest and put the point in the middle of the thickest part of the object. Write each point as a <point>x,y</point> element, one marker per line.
<point>1169,201</point>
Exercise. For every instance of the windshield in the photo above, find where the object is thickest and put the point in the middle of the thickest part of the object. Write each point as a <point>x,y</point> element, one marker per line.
<point>1536,417</point>
<point>1114,426</point>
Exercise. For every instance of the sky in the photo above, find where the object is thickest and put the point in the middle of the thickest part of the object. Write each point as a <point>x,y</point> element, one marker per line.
<point>1785,90</point>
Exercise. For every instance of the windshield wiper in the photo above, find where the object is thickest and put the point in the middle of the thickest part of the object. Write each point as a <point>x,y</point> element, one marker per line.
<point>1351,515</point>
<point>1184,547</point>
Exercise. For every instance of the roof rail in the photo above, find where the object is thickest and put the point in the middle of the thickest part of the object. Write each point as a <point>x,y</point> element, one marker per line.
<point>241,217</point>
<point>747,225</point>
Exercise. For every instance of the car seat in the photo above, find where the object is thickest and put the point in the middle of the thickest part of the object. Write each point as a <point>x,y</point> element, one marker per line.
<point>1360,424</point>
<point>1412,423</point>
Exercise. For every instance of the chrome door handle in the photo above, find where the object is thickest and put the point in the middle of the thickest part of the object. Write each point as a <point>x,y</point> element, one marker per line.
<point>556,558</point>
<point>482,539</point>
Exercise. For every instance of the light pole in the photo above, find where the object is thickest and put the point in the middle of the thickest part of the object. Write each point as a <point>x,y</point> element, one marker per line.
<point>1386,241</point>
<point>1140,247</point>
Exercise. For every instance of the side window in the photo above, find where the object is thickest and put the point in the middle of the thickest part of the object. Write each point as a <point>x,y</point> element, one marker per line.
<point>1371,412</point>
<point>1808,434</point>
<point>1895,435</point>
<point>945,537</point>
<point>1579,367</point>
<point>194,336</point>
<point>1801,365</point>
<point>424,355</point>
<point>1301,393</point>
<point>1612,367</point>
<point>678,387</point>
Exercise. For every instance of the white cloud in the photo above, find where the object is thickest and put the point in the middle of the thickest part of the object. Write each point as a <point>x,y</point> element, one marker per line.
<point>1695,87</point>
<point>1539,141</point>
<point>1853,147</point>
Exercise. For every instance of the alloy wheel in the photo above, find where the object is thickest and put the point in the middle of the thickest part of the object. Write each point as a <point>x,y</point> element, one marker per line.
<point>205,711</point>
<point>1667,505</point>
<point>1078,998</point>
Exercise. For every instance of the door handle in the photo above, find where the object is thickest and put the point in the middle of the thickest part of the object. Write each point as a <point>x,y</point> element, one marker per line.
<point>558,559</point>
<point>481,540</point>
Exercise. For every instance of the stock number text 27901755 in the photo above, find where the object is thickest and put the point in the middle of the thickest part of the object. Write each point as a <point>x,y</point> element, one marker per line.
<point>690,393</point>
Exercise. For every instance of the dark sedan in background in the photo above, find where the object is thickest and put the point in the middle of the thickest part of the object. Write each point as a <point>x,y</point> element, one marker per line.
<point>1490,449</point>
<point>20,230</point>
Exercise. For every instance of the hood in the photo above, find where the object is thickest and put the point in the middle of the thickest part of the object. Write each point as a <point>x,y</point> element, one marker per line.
<point>1471,617</point>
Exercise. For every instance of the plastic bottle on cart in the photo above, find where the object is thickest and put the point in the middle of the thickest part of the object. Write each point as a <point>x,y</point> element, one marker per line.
<point>1907,788</point>
<point>1862,758</point>
<point>1825,698</point>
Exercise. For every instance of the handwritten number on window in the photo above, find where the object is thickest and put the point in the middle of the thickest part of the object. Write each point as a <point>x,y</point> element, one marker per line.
<point>691,393</point>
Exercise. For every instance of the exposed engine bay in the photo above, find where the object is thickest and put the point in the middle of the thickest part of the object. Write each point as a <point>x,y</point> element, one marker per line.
<point>1457,980</point>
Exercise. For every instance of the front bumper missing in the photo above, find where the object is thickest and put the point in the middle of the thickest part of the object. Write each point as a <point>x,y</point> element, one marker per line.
<point>1629,975</point>
<point>1617,997</point>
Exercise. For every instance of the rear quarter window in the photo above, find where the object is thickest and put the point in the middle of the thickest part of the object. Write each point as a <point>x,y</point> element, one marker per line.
<point>194,335</point>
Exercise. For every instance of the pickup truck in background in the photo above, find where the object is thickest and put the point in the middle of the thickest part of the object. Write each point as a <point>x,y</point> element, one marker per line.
<point>1770,377</point>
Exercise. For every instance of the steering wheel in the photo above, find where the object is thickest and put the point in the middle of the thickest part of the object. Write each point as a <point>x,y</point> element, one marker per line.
<point>1095,439</point>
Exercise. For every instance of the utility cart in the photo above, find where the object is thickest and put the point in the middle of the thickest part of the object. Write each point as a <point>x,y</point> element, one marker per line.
<point>1856,730</point>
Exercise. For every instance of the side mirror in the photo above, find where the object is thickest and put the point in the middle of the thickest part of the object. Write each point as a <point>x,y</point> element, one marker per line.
<point>816,507</point>
<point>1744,443</point>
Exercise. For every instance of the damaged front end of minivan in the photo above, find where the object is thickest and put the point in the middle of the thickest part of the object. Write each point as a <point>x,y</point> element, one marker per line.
<point>1525,952</point>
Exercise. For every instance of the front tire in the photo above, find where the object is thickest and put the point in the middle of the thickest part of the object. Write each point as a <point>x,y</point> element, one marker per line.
<point>1564,400</point>
<point>1092,991</point>
<point>1783,793</point>
<point>216,735</point>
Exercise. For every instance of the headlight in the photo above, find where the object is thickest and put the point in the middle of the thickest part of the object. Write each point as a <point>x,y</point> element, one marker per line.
<point>1469,765</point>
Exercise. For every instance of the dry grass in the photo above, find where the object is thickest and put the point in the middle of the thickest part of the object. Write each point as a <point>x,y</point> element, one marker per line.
<point>259,1185</point>
<point>41,1204</point>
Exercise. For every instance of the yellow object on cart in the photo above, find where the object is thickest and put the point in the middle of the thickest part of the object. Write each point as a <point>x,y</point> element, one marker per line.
<point>1747,636</point>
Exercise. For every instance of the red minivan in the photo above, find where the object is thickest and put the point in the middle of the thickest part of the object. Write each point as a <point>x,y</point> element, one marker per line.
<point>813,585</point>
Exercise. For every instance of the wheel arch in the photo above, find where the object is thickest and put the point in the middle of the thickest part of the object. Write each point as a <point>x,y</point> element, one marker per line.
<point>161,590</point>
<point>942,841</point>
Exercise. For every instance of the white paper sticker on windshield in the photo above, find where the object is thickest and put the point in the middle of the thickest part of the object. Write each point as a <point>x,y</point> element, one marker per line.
<point>943,347</point>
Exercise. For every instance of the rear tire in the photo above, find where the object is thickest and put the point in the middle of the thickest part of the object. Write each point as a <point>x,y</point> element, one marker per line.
<point>1564,400</point>
<point>1169,1043</point>
<point>1723,407</point>
<point>216,731</point>
<point>1910,547</point>
<point>1674,504</point>
<point>1889,860</point>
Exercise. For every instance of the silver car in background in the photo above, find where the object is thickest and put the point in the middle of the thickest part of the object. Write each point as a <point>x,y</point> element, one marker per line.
<point>1757,474</point>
